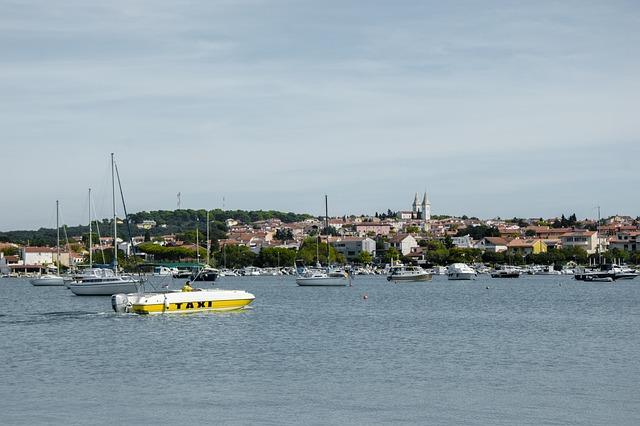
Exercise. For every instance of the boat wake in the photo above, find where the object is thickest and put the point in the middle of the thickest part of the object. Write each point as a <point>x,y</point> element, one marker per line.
<point>47,317</point>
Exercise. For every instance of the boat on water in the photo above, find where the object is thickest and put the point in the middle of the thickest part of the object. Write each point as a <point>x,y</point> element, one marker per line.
<point>176,301</point>
<point>405,273</point>
<point>326,277</point>
<point>318,276</point>
<point>506,272</point>
<point>205,273</point>
<point>50,279</point>
<point>99,282</point>
<point>607,273</point>
<point>460,271</point>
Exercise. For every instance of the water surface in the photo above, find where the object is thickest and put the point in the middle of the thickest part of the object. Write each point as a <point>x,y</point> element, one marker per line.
<point>527,351</point>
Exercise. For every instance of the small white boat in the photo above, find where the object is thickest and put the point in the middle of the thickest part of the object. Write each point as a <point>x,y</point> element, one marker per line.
<point>48,280</point>
<point>460,271</point>
<point>316,277</point>
<point>402,273</point>
<point>175,301</point>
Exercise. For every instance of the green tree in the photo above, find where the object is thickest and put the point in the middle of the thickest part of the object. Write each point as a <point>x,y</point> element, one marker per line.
<point>312,250</point>
<point>391,254</point>
<point>235,256</point>
<point>276,256</point>
<point>448,241</point>
<point>365,257</point>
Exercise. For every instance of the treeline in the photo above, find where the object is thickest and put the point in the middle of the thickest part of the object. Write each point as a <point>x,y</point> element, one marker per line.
<point>183,221</point>
<point>188,216</point>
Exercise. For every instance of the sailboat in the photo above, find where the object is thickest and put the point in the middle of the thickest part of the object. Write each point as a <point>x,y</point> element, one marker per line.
<point>52,279</point>
<point>206,272</point>
<point>105,282</point>
<point>323,276</point>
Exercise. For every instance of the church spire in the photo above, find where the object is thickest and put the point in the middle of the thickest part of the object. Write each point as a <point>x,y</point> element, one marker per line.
<point>416,203</point>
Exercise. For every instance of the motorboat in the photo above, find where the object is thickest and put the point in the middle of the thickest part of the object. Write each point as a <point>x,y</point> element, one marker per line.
<point>506,272</point>
<point>460,271</point>
<point>439,270</point>
<point>403,273</point>
<point>103,282</point>
<point>176,301</point>
<point>163,271</point>
<point>614,272</point>
<point>546,270</point>
<point>206,273</point>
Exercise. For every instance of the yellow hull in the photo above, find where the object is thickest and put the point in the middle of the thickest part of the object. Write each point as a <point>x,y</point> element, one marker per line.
<point>200,306</point>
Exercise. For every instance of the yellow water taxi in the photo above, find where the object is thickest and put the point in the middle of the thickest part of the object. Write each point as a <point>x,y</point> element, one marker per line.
<point>175,301</point>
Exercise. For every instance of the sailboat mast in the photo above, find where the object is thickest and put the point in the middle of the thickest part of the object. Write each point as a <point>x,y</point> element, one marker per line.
<point>115,224</point>
<point>90,237</point>
<point>208,240</point>
<point>198,240</point>
<point>58,236</point>
<point>326,224</point>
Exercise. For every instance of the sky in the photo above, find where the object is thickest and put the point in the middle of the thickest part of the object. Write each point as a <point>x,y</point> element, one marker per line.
<point>495,108</point>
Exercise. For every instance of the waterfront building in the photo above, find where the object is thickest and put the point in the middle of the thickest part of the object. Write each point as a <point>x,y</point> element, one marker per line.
<point>526,246</point>
<point>404,243</point>
<point>585,239</point>
<point>351,247</point>
<point>626,240</point>
<point>492,244</point>
<point>38,255</point>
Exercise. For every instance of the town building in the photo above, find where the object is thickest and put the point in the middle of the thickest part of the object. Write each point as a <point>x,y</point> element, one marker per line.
<point>587,240</point>
<point>492,244</point>
<point>351,247</point>
<point>404,243</point>
<point>526,247</point>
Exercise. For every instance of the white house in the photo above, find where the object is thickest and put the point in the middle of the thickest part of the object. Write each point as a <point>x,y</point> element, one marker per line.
<point>492,244</point>
<point>463,242</point>
<point>403,243</point>
<point>38,255</point>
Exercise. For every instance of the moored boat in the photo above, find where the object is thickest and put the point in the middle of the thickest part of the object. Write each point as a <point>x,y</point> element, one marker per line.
<point>323,278</point>
<point>460,271</point>
<point>181,302</point>
<point>403,273</point>
<point>103,282</point>
<point>506,272</point>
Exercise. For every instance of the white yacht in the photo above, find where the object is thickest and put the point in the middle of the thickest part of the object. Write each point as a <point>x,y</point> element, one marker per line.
<point>460,271</point>
<point>403,273</point>
<point>102,282</point>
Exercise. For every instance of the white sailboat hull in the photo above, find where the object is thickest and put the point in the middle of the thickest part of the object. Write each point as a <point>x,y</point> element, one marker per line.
<point>47,280</point>
<point>104,288</point>
<point>323,281</point>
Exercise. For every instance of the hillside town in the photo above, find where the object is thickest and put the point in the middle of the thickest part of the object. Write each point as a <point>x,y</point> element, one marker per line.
<point>411,236</point>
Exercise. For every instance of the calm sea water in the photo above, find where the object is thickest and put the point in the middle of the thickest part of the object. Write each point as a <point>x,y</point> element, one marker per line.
<point>533,350</point>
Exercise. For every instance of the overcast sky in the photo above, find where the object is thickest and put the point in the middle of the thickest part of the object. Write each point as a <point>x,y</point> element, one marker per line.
<point>496,108</point>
